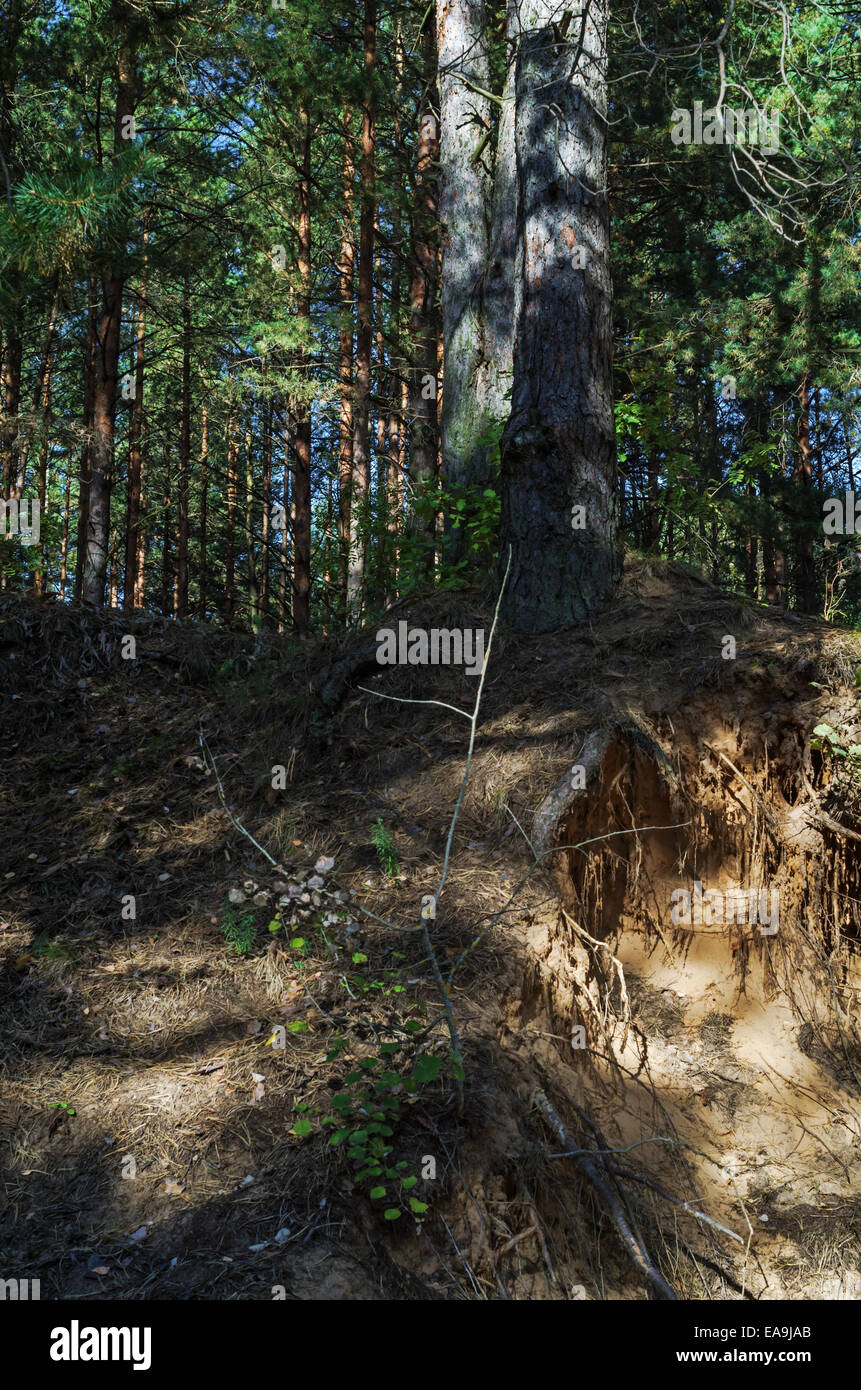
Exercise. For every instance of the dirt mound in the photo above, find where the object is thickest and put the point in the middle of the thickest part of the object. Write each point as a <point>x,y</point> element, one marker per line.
<point>175,1065</point>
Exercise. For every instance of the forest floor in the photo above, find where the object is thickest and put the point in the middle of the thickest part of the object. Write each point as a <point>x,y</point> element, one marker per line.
<point>150,1143</point>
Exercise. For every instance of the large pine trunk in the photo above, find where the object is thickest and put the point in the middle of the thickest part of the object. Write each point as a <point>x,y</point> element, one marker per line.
<point>558,515</point>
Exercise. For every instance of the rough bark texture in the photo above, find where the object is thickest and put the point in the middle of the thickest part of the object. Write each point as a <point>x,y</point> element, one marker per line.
<point>232,486</point>
<point>263,599</point>
<point>204,492</point>
<point>345,367</point>
<point>184,459</point>
<point>503,277</point>
<point>133,588</point>
<point>559,446</point>
<point>45,379</point>
<point>364,327</point>
<point>423,383</point>
<point>86,452</point>
<point>25,439</point>
<point>12,402</point>
<point>107,364</point>
<point>302,472</point>
<point>464,198</point>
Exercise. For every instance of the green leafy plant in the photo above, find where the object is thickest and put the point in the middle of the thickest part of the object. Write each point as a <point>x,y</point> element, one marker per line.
<point>385,847</point>
<point>63,1105</point>
<point>827,740</point>
<point>365,1114</point>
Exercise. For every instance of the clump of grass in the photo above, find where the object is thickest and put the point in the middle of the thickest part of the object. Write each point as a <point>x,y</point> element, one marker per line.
<point>58,953</point>
<point>385,847</point>
<point>238,932</point>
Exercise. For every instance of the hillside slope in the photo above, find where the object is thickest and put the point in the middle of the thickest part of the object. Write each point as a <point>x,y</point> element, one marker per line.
<point>168,905</point>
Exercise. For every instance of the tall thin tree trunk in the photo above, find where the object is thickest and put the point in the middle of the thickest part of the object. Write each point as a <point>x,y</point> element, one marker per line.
<point>267,508</point>
<point>345,367</point>
<point>167,566</point>
<point>232,487</point>
<point>803,476</point>
<point>184,457</point>
<point>132,589</point>
<point>302,473</point>
<point>107,366</point>
<point>283,590</point>
<point>12,403</point>
<point>251,558</point>
<point>25,437</point>
<point>364,327</point>
<point>11,21</point>
<point>204,490</point>
<point>423,325</point>
<point>43,472</point>
<point>64,542</point>
<point>90,350</point>
<point>114,570</point>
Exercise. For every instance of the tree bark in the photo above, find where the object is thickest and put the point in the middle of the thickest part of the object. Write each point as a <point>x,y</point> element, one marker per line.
<point>204,490</point>
<point>107,365</point>
<point>364,328</point>
<point>64,542</point>
<point>230,560</point>
<point>184,458</point>
<point>464,204</point>
<point>263,598</point>
<point>11,404</point>
<point>25,437</point>
<point>503,280</point>
<point>132,589</point>
<point>45,379</point>
<point>250,557</point>
<point>345,368</point>
<point>167,565</point>
<point>86,452</point>
<point>302,473</point>
<point>423,326</point>
<point>559,445</point>
<point>803,476</point>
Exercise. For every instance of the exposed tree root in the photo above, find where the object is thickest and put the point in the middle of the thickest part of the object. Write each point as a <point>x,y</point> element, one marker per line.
<point>593,1170</point>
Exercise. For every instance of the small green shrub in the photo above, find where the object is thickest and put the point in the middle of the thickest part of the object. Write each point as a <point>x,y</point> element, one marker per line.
<point>386,852</point>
